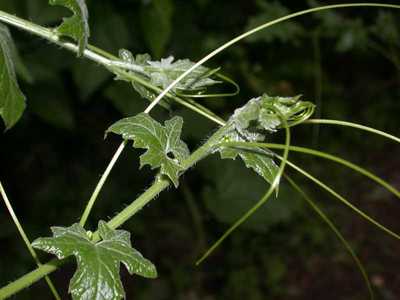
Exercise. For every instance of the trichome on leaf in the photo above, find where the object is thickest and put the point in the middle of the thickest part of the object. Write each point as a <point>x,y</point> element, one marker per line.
<point>162,73</point>
<point>76,26</point>
<point>97,275</point>
<point>165,149</point>
<point>257,119</point>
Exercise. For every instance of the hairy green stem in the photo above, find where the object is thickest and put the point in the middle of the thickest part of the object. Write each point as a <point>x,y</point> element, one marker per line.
<point>110,62</point>
<point>158,186</point>
<point>101,57</point>
<point>49,35</point>
<point>188,103</point>
<point>273,187</point>
<point>26,240</point>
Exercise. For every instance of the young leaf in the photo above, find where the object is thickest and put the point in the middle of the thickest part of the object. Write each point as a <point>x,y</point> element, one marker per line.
<point>97,275</point>
<point>140,60</point>
<point>162,73</point>
<point>12,101</point>
<point>164,147</point>
<point>260,160</point>
<point>254,121</point>
<point>77,26</point>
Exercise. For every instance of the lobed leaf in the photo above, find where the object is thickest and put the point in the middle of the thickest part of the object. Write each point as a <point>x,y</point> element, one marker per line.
<point>12,100</point>
<point>97,276</point>
<point>76,26</point>
<point>165,149</point>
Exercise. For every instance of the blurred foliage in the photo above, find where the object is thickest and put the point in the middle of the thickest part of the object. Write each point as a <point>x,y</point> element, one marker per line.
<point>288,32</point>
<point>227,199</point>
<point>51,160</point>
<point>156,23</point>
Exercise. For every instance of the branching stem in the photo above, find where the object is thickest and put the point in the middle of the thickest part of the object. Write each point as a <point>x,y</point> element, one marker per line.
<point>103,58</point>
<point>158,186</point>
<point>113,63</point>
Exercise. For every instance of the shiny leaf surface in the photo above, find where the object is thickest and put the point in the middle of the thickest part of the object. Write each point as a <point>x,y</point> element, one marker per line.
<point>97,276</point>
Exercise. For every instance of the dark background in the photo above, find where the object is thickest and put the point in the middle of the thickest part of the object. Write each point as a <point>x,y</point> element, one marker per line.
<point>347,61</point>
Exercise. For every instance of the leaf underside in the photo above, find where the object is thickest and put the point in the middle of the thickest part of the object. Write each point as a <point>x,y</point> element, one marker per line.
<point>165,149</point>
<point>98,264</point>
<point>12,100</point>
<point>76,26</point>
<point>162,73</point>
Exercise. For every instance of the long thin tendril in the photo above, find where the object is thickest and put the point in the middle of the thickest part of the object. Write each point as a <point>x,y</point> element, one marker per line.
<point>100,185</point>
<point>329,189</point>
<point>206,113</point>
<point>209,95</point>
<point>321,154</point>
<point>26,240</point>
<point>340,198</point>
<point>254,30</point>
<point>353,125</point>
<point>274,186</point>
<point>336,231</point>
